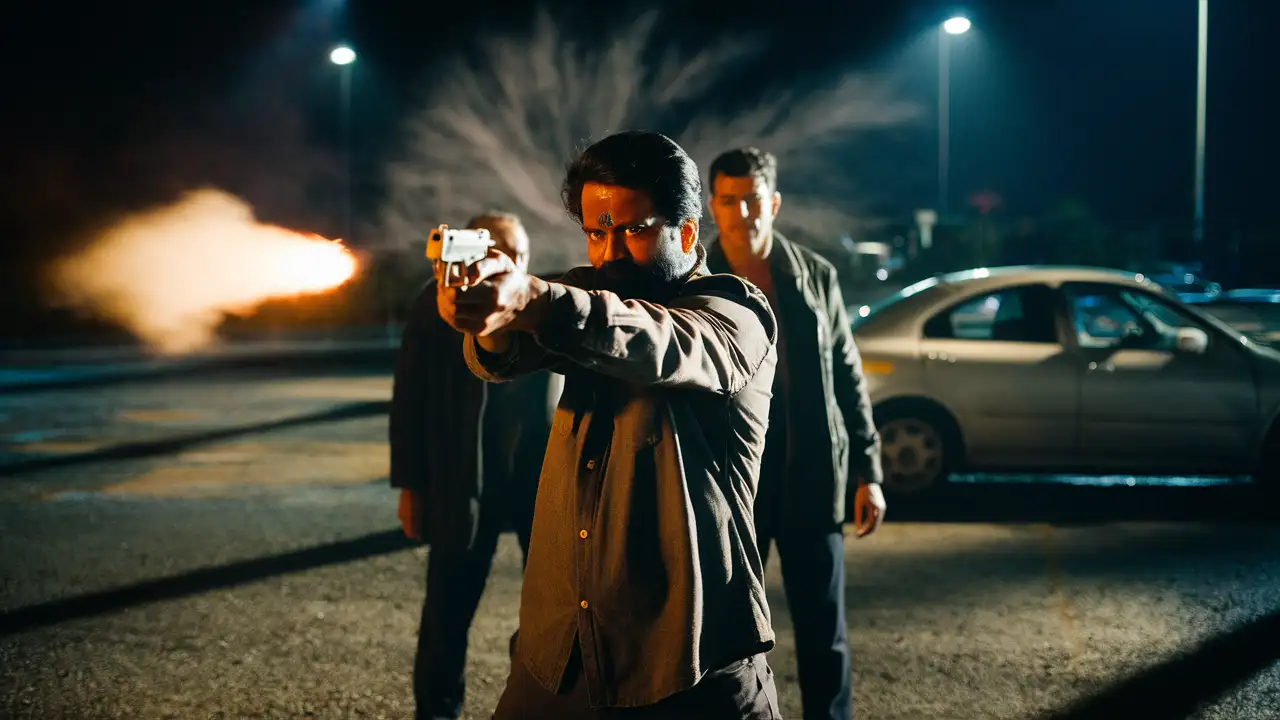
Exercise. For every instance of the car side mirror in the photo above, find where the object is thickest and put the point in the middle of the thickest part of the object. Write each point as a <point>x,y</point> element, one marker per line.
<point>1192,340</point>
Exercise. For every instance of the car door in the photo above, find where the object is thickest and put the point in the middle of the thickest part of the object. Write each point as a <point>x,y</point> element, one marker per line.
<point>997,361</point>
<point>1145,405</point>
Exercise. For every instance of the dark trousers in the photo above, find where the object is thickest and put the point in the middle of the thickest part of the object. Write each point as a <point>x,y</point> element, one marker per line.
<point>744,690</point>
<point>455,582</point>
<point>813,578</point>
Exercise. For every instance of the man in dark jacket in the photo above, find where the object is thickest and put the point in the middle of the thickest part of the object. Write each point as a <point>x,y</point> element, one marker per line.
<point>821,433</point>
<point>466,457</point>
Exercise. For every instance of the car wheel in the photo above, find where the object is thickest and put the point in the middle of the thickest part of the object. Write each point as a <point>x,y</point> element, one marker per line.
<point>917,451</point>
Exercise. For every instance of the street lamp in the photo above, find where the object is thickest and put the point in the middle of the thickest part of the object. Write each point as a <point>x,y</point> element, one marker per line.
<point>342,55</point>
<point>1202,63</point>
<point>957,25</point>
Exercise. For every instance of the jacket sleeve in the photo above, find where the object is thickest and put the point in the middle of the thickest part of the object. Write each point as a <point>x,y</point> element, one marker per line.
<point>713,338</point>
<point>408,417</point>
<point>851,391</point>
<point>524,356</point>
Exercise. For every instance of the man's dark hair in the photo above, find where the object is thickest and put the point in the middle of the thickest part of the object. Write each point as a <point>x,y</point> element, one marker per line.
<point>749,162</point>
<point>638,160</point>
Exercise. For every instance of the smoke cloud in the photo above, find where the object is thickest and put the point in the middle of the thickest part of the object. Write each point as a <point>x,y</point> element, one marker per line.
<point>498,130</point>
<point>171,274</point>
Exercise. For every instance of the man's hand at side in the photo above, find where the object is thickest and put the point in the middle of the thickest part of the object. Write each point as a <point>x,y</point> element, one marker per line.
<point>409,513</point>
<point>868,508</point>
<point>501,298</point>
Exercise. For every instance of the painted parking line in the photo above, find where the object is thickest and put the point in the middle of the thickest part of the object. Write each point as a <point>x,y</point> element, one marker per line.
<point>236,468</point>
<point>160,416</point>
<point>55,447</point>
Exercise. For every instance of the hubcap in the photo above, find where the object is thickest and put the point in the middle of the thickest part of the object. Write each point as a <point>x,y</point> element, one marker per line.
<point>911,453</point>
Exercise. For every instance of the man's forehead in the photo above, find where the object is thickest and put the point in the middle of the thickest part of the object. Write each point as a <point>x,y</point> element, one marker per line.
<point>738,185</point>
<point>610,206</point>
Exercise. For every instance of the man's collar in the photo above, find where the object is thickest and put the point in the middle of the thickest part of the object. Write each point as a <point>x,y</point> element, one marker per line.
<point>781,258</point>
<point>699,267</point>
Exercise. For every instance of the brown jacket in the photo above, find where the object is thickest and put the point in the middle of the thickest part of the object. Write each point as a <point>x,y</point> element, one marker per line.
<point>643,544</point>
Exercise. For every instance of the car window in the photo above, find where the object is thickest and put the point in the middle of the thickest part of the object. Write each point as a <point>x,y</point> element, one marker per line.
<point>1107,317</point>
<point>864,312</point>
<point>1021,314</point>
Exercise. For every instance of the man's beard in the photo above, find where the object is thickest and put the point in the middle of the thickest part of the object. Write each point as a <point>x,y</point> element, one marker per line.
<point>656,282</point>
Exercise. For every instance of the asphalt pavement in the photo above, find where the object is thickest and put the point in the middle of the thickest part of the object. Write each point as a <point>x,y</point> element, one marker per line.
<point>225,545</point>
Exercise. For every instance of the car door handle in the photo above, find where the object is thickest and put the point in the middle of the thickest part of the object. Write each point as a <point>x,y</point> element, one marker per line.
<point>1104,367</point>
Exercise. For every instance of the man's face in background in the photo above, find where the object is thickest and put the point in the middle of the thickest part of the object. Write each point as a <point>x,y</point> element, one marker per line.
<point>744,209</point>
<point>509,238</point>
<point>628,241</point>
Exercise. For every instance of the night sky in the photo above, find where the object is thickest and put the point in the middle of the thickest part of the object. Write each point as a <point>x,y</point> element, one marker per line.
<point>115,105</point>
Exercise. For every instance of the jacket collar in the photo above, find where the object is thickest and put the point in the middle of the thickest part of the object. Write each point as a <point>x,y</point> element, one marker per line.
<point>782,259</point>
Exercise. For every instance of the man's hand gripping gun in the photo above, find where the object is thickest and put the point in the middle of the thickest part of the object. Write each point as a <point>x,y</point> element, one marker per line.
<point>453,252</point>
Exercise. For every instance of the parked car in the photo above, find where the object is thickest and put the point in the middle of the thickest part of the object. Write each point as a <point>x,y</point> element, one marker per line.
<point>1253,312</point>
<point>1063,369</point>
<point>1184,279</point>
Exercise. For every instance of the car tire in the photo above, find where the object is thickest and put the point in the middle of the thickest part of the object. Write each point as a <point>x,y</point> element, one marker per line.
<point>920,447</point>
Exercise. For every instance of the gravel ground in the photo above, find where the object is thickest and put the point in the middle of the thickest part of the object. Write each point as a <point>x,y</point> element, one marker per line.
<point>951,617</point>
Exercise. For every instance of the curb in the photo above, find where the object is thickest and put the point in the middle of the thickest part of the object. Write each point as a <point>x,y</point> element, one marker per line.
<point>39,379</point>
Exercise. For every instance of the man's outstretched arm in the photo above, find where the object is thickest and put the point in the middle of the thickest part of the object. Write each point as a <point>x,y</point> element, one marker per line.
<point>715,339</point>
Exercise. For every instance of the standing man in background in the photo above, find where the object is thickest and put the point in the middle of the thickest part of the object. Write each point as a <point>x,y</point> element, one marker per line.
<point>821,432</point>
<point>465,455</point>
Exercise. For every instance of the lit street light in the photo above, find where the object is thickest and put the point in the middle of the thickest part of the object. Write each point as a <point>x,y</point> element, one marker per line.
<point>342,55</point>
<point>954,26</point>
<point>957,25</point>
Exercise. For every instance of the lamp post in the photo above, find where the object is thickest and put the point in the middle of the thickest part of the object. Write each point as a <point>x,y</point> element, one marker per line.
<point>344,57</point>
<point>1202,64</point>
<point>957,25</point>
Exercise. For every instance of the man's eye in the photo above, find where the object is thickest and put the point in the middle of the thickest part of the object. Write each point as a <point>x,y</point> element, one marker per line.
<point>636,230</point>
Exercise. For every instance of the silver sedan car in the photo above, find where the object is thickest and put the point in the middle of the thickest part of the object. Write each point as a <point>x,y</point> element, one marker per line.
<point>1063,369</point>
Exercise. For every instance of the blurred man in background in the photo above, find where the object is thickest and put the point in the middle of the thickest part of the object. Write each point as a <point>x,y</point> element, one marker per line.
<point>465,455</point>
<point>820,428</point>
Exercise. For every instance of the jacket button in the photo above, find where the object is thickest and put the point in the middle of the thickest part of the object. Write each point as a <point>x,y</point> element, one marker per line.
<point>591,464</point>
<point>583,604</point>
<point>582,534</point>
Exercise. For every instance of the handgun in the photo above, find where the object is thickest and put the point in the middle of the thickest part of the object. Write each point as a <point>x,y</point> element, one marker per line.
<point>453,252</point>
